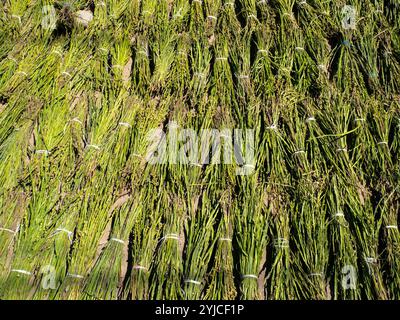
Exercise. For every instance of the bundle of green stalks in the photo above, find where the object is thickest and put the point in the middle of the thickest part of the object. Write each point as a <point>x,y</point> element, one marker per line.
<point>287,40</point>
<point>366,226</point>
<point>88,234</point>
<point>263,68</point>
<point>200,214</point>
<point>309,219</point>
<point>163,48</point>
<point>199,244</point>
<point>244,90</point>
<point>279,271</point>
<point>249,13</point>
<point>105,278</point>
<point>8,65</point>
<point>200,58</point>
<point>56,249</point>
<point>228,23</point>
<point>145,239</point>
<point>10,220</point>
<point>281,276</point>
<point>141,66</point>
<point>166,282</point>
<point>26,66</point>
<point>344,267</point>
<point>212,11</point>
<point>116,9</point>
<point>251,237</point>
<point>221,278</point>
<point>180,75</point>
<point>312,252</point>
<point>222,86</point>
<point>148,13</point>
<point>33,231</point>
<point>346,62</point>
<point>179,14</point>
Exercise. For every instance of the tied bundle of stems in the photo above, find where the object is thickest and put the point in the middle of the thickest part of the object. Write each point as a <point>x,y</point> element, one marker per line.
<point>145,237</point>
<point>288,22</point>
<point>262,68</point>
<point>287,36</point>
<point>212,9</point>
<point>102,68</point>
<point>39,214</point>
<point>200,55</point>
<point>221,284</point>
<point>250,237</point>
<point>121,63</point>
<point>105,277</point>
<point>318,49</point>
<point>228,23</point>
<point>200,58</point>
<point>309,217</point>
<point>265,12</point>
<point>55,252</point>
<point>100,15</point>
<point>8,67</point>
<point>347,66</point>
<point>335,140</point>
<point>165,283</point>
<point>244,90</point>
<point>313,15</point>
<point>381,151</point>
<point>218,181</point>
<point>141,65</point>
<point>15,135</point>
<point>281,281</point>
<point>309,220</point>
<point>18,9</point>
<point>311,240</point>
<point>78,61</point>
<point>222,86</point>
<point>343,249</point>
<point>199,244</point>
<point>93,219</point>
<point>117,9</point>
<point>389,61</point>
<point>197,22</point>
<point>249,13</point>
<point>6,33</point>
<point>20,80</point>
<point>163,48</point>
<point>368,49</point>
<point>304,68</point>
<point>180,74</point>
<point>180,14</point>
<point>199,224</point>
<point>12,203</point>
<point>298,146</point>
<point>148,13</point>
<point>389,68</point>
<point>365,226</point>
